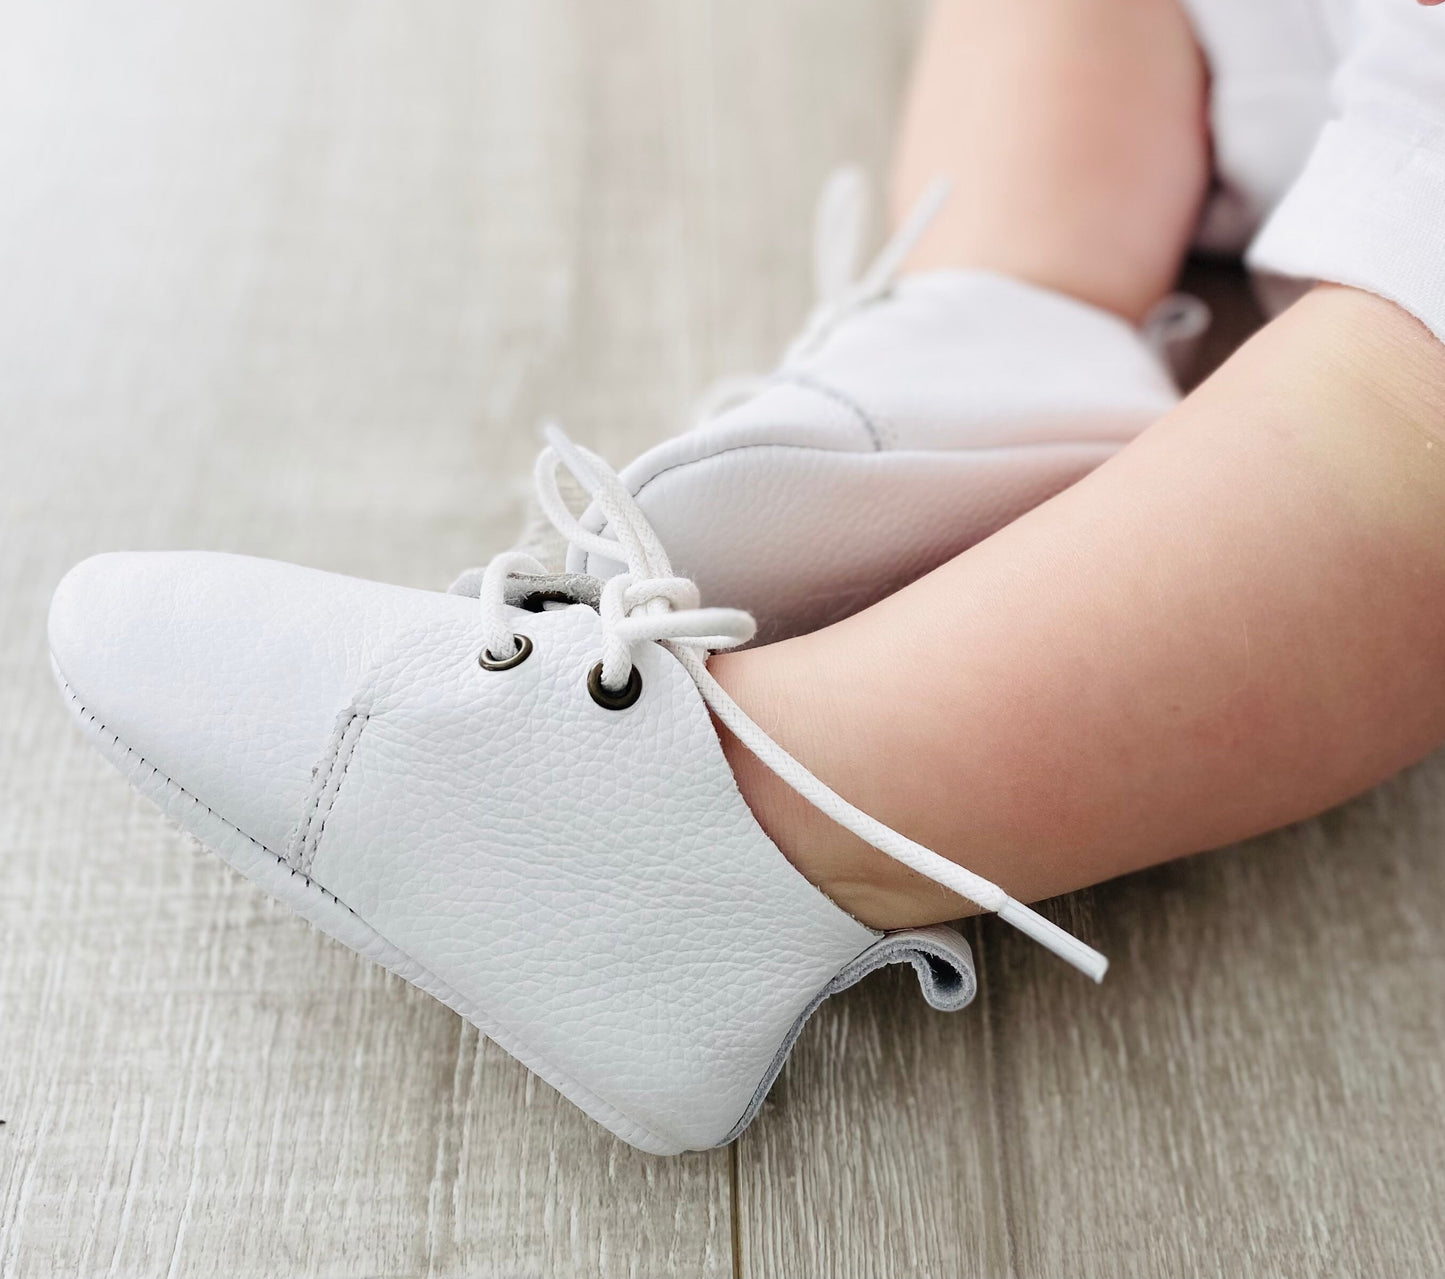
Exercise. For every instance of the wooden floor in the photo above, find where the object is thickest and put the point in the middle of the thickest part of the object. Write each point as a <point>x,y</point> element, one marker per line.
<point>297,278</point>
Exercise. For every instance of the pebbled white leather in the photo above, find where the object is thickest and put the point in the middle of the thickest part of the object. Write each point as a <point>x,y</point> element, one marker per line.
<point>223,671</point>
<point>587,885</point>
<point>922,425</point>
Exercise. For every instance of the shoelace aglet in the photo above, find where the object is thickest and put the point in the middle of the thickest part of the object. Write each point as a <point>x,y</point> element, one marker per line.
<point>1050,936</point>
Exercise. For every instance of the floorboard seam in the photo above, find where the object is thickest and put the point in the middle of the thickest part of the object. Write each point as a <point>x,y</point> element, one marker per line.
<point>992,1076</point>
<point>735,1224</point>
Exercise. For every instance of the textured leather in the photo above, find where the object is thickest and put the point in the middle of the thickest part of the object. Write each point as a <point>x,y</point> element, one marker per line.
<point>587,885</point>
<point>225,672</point>
<point>922,425</point>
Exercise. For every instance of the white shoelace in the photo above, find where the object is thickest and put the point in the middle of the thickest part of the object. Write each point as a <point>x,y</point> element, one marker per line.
<point>650,603</point>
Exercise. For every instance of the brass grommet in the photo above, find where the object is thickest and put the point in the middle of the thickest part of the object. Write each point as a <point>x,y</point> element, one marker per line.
<point>522,652</point>
<point>606,697</point>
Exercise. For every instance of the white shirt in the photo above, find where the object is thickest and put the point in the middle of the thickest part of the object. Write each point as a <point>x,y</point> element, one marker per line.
<point>1328,119</point>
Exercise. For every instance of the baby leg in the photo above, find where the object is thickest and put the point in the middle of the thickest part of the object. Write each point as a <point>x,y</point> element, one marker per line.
<point>1076,138</point>
<point>1234,623</point>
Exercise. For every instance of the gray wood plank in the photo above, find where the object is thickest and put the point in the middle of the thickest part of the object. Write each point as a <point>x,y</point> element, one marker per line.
<point>879,1153</point>
<point>1257,1089</point>
<point>294,280</point>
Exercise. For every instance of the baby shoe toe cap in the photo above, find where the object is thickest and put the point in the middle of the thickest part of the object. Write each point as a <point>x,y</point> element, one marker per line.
<point>222,672</point>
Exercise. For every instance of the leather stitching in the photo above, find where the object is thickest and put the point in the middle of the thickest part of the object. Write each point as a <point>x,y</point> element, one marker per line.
<point>343,754</point>
<point>320,776</point>
<point>102,730</point>
<point>809,383</point>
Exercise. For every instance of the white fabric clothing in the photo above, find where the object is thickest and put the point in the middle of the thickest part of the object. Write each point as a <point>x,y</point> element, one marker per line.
<point>1328,121</point>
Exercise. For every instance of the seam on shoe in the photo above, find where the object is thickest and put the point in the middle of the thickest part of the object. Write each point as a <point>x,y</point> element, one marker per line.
<point>360,720</point>
<point>328,786</point>
<point>101,728</point>
<point>622,1125</point>
<point>320,777</point>
<point>808,382</point>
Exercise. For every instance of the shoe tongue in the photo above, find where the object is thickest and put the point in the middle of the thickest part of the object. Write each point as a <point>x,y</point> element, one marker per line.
<point>535,591</point>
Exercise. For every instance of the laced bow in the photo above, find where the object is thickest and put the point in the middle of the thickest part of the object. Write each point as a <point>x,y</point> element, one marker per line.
<point>649,602</point>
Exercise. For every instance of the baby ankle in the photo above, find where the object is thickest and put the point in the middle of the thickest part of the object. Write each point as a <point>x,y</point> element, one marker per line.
<point>869,885</point>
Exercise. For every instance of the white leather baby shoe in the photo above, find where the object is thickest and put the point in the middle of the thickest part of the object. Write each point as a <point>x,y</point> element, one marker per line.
<point>911,419</point>
<point>512,795</point>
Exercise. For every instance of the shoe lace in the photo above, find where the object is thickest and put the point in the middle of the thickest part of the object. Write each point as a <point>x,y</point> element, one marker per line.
<point>649,602</point>
<point>840,227</point>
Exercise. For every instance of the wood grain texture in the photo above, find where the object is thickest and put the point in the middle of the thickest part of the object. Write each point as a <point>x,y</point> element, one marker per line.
<point>1257,1089</point>
<point>297,278</point>
<point>294,280</point>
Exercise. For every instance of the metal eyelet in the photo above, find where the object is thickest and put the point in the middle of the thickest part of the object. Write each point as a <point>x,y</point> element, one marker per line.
<point>606,698</point>
<point>523,651</point>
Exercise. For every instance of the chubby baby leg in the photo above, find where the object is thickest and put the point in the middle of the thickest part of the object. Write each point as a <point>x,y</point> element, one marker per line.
<point>1236,622</point>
